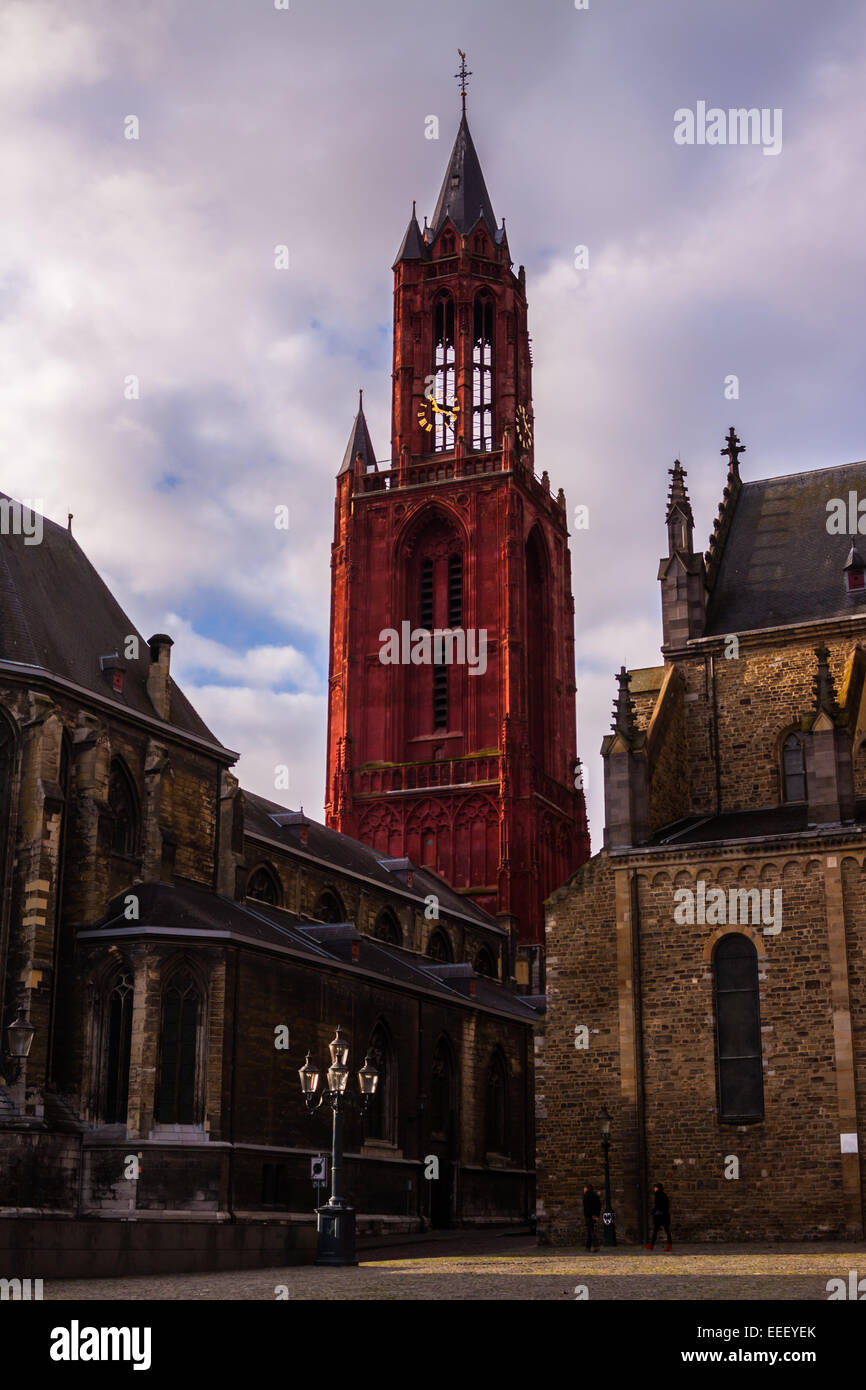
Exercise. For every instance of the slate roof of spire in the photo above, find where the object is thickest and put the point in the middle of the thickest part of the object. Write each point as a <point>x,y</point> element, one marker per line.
<point>413,247</point>
<point>359,443</point>
<point>57,614</point>
<point>779,563</point>
<point>463,196</point>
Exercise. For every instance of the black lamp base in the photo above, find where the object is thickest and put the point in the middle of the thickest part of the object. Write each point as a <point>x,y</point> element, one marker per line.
<point>335,1235</point>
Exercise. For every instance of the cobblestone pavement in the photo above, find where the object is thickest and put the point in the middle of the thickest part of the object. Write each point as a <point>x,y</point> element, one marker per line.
<point>515,1269</point>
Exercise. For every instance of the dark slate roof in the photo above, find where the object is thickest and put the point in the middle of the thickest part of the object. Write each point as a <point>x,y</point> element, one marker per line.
<point>187,907</point>
<point>359,443</point>
<point>413,246</point>
<point>780,565</point>
<point>463,196</point>
<point>351,856</point>
<point>57,614</point>
<point>747,825</point>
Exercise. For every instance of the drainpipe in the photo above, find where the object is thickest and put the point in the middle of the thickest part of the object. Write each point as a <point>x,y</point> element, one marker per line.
<point>231,1192</point>
<point>716,736</point>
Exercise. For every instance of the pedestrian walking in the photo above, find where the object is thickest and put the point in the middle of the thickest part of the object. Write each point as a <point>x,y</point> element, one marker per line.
<point>661,1216</point>
<point>591,1213</point>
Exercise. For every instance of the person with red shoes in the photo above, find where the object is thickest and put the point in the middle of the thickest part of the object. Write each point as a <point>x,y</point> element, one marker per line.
<point>591,1213</point>
<point>661,1216</point>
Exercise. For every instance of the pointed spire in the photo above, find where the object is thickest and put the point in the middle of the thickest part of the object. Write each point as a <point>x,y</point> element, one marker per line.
<point>359,443</point>
<point>678,497</point>
<point>413,246</point>
<point>623,710</point>
<point>822,684</point>
<point>463,196</point>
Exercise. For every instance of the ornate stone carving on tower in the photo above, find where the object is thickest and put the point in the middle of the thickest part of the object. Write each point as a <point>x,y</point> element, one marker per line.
<point>455,534</point>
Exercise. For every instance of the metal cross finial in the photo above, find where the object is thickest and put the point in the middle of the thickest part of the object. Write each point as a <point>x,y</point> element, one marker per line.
<point>462,76</point>
<point>734,449</point>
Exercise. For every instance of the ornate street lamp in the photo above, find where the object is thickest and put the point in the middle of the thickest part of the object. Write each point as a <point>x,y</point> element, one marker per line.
<point>19,1040</point>
<point>335,1222</point>
<point>607,1217</point>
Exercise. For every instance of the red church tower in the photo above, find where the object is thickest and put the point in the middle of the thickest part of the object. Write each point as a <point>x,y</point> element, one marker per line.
<point>458,754</point>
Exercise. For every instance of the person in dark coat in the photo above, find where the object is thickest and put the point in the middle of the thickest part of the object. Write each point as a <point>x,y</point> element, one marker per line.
<point>661,1215</point>
<point>591,1213</point>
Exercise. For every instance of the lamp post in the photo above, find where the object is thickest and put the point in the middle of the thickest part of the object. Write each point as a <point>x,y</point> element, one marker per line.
<point>607,1217</point>
<point>19,1040</point>
<point>335,1222</point>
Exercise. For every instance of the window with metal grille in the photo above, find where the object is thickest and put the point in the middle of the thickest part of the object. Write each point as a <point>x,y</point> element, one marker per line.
<point>427,593</point>
<point>738,1029</point>
<point>455,591</point>
<point>118,1046</point>
<point>440,696</point>
<point>793,770</point>
<point>444,371</point>
<point>179,1036</point>
<point>482,375</point>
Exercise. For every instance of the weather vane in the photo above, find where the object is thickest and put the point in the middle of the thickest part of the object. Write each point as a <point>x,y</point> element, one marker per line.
<point>462,76</point>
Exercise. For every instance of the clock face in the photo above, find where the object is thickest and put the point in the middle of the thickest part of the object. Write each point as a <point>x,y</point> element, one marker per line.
<point>430,408</point>
<point>524,427</point>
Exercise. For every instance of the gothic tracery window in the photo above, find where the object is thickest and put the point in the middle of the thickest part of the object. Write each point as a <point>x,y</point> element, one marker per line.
<point>176,1091</point>
<point>483,963</point>
<point>439,947</point>
<point>329,907</point>
<point>123,803</point>
<point>118,1044</point>
<point>496,1128</point>
<point>482,375</point>
<point>387,928</point>
<point>793,769</point>
<point>263,886</point>
<point>381,1117</point>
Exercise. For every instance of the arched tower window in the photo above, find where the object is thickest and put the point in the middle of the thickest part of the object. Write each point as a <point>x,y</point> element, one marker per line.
<point>381,1118</point>
<point>435,569</point>
<point>329,907</point>
<point>439,948</point>
<point>118,1046</point>
<point>793,769</point>
<point>496,1127</point>
<point>387,928</point>
<point>123,803</point>
<point>264,886</point>
<point>176,1091</point>
<point>738,1029</point>
<point>482,374</point>
<point>443,1091</point>
<point>537,651</point>
<point>444,372</point>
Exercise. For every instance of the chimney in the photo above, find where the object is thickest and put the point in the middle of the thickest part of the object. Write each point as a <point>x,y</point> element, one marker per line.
<point>158,679</point>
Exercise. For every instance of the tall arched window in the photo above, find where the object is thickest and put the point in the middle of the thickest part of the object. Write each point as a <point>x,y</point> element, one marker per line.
<point>444,371</point>
<point>496,1128</point>
<point>484,963</point>
<point>329,907</point>
<point>455,590</point>
<point>123,803</point>
<point>443,1091</point>
<point>793,769</point>
<point>482,374</point>
<point>537,651</point>
<point>738,1029</point>
<point>264,886</point>
<point>387,928</point>
<point>439,948</point>
<point>381,1117</point>
<point>176,1092</point>
<point>118,1046</point>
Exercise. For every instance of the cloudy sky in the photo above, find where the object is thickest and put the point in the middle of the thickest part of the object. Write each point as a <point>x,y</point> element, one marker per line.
<point>154,258</point>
